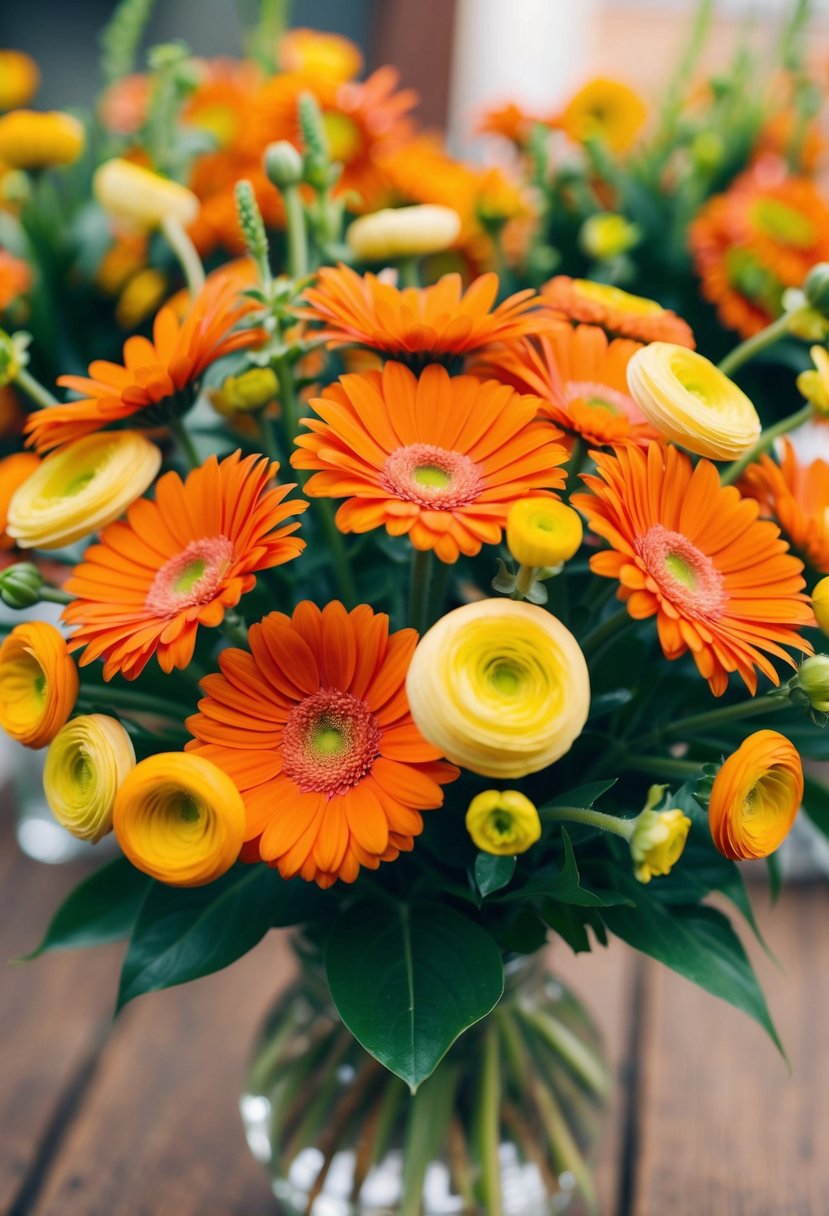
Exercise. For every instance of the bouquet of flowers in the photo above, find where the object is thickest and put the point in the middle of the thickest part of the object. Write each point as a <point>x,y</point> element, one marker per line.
<point>432,609</point>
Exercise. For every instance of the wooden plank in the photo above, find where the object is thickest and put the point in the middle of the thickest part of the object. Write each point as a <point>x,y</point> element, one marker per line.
<point>417,40</point>
<point>723,1129</point>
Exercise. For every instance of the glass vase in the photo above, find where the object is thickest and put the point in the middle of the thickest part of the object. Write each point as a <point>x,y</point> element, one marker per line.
<point>505,1126</point>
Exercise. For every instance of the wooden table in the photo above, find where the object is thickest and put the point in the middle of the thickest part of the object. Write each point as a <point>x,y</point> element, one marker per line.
<point>140,1119</point>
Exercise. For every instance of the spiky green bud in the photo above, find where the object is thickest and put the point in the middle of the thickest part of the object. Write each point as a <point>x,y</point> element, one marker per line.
<point>251,223</point>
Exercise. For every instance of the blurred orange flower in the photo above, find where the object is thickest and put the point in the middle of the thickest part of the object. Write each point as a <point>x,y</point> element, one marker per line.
<point>618,312</point>
<point>797,496</point>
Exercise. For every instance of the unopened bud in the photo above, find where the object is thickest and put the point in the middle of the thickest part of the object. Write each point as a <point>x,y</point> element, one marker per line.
<point>816,287</point>
<point>283,164</point>
<point>20,585</point>
<point>813,680</point>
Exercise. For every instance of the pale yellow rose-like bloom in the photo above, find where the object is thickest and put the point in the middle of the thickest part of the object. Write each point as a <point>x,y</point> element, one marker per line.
<point>141,198</point>
<point>543,532</point>
<point>404,232</point>
<point>80,488</point>
<point>500,686</point>
<point>87,761</point>
<point>814,383</point>
<point>503,822</point>
<point>31,139</point>
<point>658,841</point>
<point>180,819</point>
<point>691,402</point>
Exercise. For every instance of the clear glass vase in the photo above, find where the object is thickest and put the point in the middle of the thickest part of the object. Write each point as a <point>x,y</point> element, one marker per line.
<point>505,1126</point>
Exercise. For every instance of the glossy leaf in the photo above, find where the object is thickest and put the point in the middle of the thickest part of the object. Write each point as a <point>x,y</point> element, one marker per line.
<point>492,873</point>
<point>583,795</point>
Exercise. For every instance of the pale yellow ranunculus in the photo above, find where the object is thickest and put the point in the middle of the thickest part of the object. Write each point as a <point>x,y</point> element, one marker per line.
<point>503,822</point>
<point>691,402</point>
<point>139,197</point>
<point>500,686</point>
<point>86,763</point>
<point>404,232</point>
<point>80,488</point>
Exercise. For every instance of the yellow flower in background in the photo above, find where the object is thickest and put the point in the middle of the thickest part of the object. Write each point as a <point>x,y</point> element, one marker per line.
<point>543,532</point>
<point>38,683</point>
<point>87,761</point>
<point>247,393</point>
<point>140,298</point>
<point>820,604</point>
<point>179,819</point>
<point>19,78</point>
<point>503,822</point>
<point>814,383</point>
<point>30,139</point>
<point>658,838</point>
<point>141,198</point>
<point>80,488</point>
<point>692,402</point>
<point>320,56</point>
<point>404,232</point>
<point>756,796</point>
<point>604,109</point>
<point>500,686</point>
<point>606,236</point>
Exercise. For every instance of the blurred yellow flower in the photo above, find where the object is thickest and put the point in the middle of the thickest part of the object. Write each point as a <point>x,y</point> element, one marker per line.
<point>658,838</point>
<point>606,236</point>
<point>820,604</point>
<point>403,232</point>
<point>30,139</point>
<point>543,532</point>
<point>19,78</point>
<point>756,796</point>
<point>86,763</point>
<point>140,298</point>
<point>81,487</point>
<point>141,198</point>
<point>503,822</point>
<point>604,109</point>
<point>814,383</point>
<point>500,686</point>
<point>320,56</point>
<point>38,683</point>
<point>180,819</point>
<point>247,393</point>
<point>691,402</point>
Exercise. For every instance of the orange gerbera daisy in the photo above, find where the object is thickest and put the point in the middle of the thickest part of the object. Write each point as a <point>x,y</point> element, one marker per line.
<point>314,728</point>
<point>797,496</point>
<point>159,378</point>
<point>440,458</point>
<point>417,323</point>
<point>581,375</point>
<point>693,553</point>
<point>218,104</point>
<point>623,315</point>
<point>15,278</point>
<point>179,562</point>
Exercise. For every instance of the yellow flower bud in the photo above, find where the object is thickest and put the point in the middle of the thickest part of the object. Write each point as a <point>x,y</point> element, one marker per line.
<point>606,236</point>
<point>543,532</point>
<point>139,197</point>
<point>80,488</point>
<point>503,822</point>
<point>813,679</point>
<point>247,393</point>
<point>404,232</point>
<point>38,683</point>
<point>500,686</point>
<point>820,604</point>
<point>86,763</point>
<point>180,819</point>
<point>19,78</point>
<point>33,140</point>
<point>692,402</point>
<point>814,384</point>
<point>658,841</point>
<point>141,297</point>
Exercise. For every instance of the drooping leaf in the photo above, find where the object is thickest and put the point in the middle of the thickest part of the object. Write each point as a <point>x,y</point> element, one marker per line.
<point>408,980</point>
<point>492,873</point>
<point>564,884</point>
<point>583,795</point>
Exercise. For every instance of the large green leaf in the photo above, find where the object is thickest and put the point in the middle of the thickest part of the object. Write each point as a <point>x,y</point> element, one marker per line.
<point>408,980</point>
<point>181,935</point>
<point>103,908</point>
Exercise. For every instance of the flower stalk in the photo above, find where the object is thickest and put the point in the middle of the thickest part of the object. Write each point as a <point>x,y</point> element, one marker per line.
<point>735,470</point>
<point>756,344</point>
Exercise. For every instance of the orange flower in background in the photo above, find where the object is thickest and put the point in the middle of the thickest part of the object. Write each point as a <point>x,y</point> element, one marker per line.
<point>218,104</point>
<point>797,496</point>
<point>19,79</point>
<point>124,105</point>
<point>158,376</point>
<point>751,243</point>
<point>38,683</point>
<point>434,322</point>
<point>14,470</point>
<point>693,553</point>
<point>320,56</point>
<point>314,728</point>
<point>618,312</point>
<point>508,120</point>
<point>756,796</point>
<point>15,279</point>
<point>603,109</point>
<point>581,375</point>
<point>179,562</point>
<point>438,458</point>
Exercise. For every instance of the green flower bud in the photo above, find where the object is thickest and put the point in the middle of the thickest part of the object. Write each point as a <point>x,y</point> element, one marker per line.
<point>816,287</point>
<point>250,221</point>
<point>813,680</point>
<point>13,355</point>
<point>283,164</point>
<point>20,585</point>
<point>246,393</point>
<point>315,142</point>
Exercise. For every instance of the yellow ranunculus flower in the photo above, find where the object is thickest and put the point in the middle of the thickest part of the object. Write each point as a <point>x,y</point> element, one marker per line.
<point>19,78</point>
<point>657,842</point>
<point>820,604</point>
<point>500,686</point>
<point>319,56</point>
<point>180,819</point>
<point>404,232</point>
<point>140,197</point>
<point>80,488</point>
<point>30,139</point>
<point>140,298</point>
<point>606,236</point>
<point>756,796</point>
<point>692,402</point>
<point>38,683</point>
<point>86,763</point>
<point>543,532</point>
<point>503,822</point>
<point>814,383</point>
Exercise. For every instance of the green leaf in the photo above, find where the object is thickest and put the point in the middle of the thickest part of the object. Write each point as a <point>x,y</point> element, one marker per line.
<point>408,980</point>
<point>564,885</point>
<point>182,934</point>
<point>492,873</point>
<point>582,795</point>
<point>103,908</point>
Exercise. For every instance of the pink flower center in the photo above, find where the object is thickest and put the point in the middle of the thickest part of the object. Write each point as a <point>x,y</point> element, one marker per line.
<point>602,397</point>
<point>432,477</point>
<point>684,574</point>
<point>191,577</point>
<point>329,742</point>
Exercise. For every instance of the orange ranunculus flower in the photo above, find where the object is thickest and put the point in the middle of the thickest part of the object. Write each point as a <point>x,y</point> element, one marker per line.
<point>797,496</point>
<point>14,470</point>
<point>619,313</point>
<point>19,78</point>
<point>603,109</point>
<point>756,796</point>
<point>38,683</point>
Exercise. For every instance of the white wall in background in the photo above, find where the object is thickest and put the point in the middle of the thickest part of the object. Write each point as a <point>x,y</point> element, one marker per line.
<point>531,51</point>
<point>726,7</point>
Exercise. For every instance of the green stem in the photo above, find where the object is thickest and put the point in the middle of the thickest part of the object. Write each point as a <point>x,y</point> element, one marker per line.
<point>489,1124</point>
<point>767,438</point>
<point>53,595</point>
<point>575,465</point>
<point>287,401</point>
<point>273,20</point>
<point>589,817</point>
<point>186,252</point>
<point>755,344</point>
<point>183,439</point>
<point>235,629</point>
<point>596,638</point>
<point>407,269</point>
<point>34,389</point>
<point>267,433</point>
<point>420,579</point>
<point>297,236</point>
<point>702,723</point>
<point>437,591</point>
<point>324,513</point>
<point>142,702</point>
<point>662,766</point>
<point>524,582</point>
